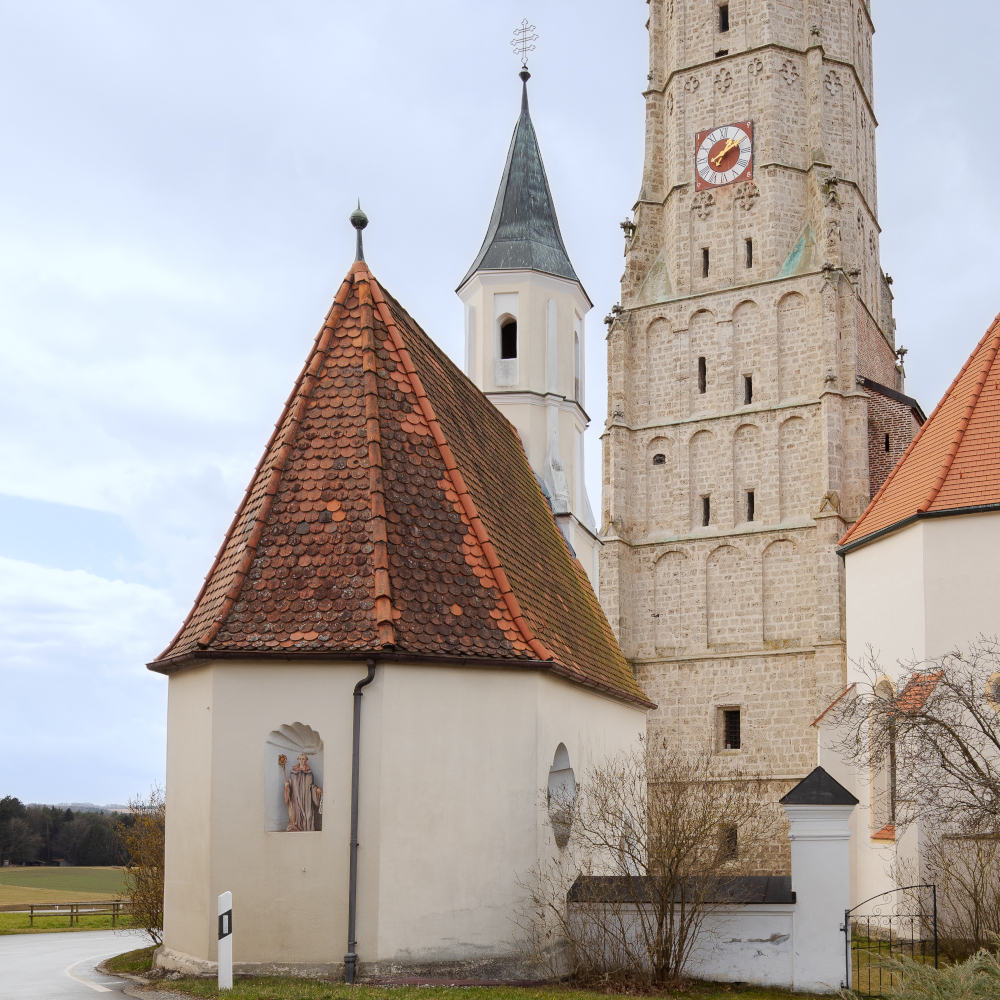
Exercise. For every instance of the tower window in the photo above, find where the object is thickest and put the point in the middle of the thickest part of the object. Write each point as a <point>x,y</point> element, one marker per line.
<point>747,390</point>
<point>659,460</point>
<point>750,502</point>
<point>728,844</point>
<point>577,366</point>
<point>721,53</point>
<point>508,339</point>
<point>731,729</point>
<point>724,17</point>
<point>749,245</point>
<point>702,375</point>
<point>887,443</point>
<point>704,262</point>
<point>706,511</point>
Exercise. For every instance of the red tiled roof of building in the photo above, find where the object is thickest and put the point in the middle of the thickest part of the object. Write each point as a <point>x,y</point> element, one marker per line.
<point>394,509</point>
<point>954,461</point>
<point>918,689</point>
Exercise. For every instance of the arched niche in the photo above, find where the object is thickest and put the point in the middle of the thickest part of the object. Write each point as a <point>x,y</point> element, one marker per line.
<point>293,786</point>
<point>561,796</point>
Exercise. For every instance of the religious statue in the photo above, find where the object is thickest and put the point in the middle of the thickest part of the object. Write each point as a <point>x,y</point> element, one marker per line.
<point>303,796</point>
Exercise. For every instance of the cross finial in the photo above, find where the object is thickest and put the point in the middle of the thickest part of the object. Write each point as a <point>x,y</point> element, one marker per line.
<point>521,42</point>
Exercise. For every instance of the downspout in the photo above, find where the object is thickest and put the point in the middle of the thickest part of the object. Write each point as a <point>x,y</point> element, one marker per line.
<point>351,958</point>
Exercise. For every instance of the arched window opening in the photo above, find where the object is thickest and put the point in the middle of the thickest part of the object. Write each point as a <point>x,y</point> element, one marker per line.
<point>508,339</point>
<point>659,460</point>
<point>561,796</point>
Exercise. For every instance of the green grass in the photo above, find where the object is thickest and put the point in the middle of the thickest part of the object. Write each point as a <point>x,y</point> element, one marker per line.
<point>18,923</point>
<point>281,988</point>
<point>102,880</point>
<point>136,962</point>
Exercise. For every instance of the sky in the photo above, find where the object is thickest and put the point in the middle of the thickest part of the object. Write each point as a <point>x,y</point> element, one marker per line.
<point>175,182</point>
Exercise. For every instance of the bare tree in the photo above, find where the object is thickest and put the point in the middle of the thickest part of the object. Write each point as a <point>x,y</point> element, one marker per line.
<point>142,835</point>
<point>659,838</point>
<point>935,734</point>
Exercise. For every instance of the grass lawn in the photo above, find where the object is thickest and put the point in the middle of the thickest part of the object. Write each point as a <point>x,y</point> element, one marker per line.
<point>288,988</point>
<point>58,885</point>
<point>17,923</point>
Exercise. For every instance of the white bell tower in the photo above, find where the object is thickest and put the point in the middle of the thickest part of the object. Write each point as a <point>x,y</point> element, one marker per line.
<point>525,336</point>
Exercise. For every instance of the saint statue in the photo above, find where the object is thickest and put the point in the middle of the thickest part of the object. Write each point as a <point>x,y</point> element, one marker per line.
<point>302,795</point>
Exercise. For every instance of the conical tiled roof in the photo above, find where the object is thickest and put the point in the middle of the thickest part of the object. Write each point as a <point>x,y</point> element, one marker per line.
<point>524,233</point>
<point>394,509</point>
<point>954,461</point>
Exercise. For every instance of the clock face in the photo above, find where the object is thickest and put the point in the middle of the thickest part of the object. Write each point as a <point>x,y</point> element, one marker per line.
<point>723,155</point>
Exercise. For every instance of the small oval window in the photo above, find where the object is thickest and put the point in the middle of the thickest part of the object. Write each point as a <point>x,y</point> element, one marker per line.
<point>561,796</point>
<point>659,460</point>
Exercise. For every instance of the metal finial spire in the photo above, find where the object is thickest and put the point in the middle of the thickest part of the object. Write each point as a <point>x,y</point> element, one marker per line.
<point>359,220</point>
<point>521,43</point>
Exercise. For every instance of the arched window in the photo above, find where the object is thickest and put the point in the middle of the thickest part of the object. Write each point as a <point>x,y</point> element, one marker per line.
<point>561,795</point>
<point>508,339</point>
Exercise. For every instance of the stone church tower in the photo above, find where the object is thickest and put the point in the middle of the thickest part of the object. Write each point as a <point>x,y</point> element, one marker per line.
<point>524,335</point>
<point>755,400</point>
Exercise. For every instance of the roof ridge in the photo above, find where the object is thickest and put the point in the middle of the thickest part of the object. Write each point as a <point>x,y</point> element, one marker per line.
<point>451,466</point>
<point>373,432</point>
<point>320,343</point>
<point>963,422</point>
<point>920,433</point>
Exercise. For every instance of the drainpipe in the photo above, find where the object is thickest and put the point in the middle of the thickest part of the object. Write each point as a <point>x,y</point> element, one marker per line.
<point>351,958</point>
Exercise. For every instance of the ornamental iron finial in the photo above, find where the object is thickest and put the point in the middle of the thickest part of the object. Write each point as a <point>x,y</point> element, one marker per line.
<point>521,42</point>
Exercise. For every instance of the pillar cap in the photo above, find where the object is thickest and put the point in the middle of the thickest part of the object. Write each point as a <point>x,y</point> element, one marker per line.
<point>819,789</point>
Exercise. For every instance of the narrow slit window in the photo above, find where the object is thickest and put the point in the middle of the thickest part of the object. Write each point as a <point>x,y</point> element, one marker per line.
<point>750,505</point>
<point>508,339</point>
<point>704,262</point>
<point>729,844</point>
<point>723,17</point>
<point>749,246</point>
<point>702,375</point>
<point>706,511</point>
<point>721,53</point>
<point>887,443</point>
<point>747,390</point>
<point>731,729</point>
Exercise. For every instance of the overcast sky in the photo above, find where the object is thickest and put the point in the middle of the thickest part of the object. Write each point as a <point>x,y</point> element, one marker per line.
<point>176,179</point>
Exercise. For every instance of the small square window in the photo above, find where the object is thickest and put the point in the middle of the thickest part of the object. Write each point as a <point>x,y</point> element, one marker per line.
<point>731,729</point>
<point>724,17</point>
<point>721,53</point>
<point>659,460</point>
<point>729,844</point>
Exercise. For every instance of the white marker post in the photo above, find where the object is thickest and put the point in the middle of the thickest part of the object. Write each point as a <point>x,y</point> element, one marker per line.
<point>226,941</point>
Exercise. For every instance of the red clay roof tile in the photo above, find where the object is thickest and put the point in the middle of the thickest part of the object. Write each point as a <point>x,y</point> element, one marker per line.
<point>394,508</point>
<point>954,461</point>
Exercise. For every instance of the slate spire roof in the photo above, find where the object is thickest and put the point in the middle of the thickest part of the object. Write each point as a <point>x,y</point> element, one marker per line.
<point>523,233</point>
<point>953,463</point>
<point>394,510</point>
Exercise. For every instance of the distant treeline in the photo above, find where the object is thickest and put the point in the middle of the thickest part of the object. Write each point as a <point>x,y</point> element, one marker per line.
<point>46,834</point>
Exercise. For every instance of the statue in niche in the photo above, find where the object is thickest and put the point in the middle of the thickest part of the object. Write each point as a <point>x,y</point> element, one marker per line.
<point>294,795</point>
<point>302,795</point>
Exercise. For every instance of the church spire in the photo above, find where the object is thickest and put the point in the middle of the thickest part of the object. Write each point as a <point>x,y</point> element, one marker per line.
<point>523,233</point>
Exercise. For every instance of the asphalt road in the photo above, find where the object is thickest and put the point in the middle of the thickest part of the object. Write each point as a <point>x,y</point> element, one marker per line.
<point>57,966</point>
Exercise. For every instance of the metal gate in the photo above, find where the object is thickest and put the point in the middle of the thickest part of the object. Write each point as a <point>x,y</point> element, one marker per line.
<point>902,922</point>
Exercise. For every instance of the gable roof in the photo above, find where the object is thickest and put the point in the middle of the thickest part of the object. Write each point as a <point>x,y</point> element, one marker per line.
<point>819,788</point>
<point>523,233</point>
<point>394,509</point>
<point>953,463</point>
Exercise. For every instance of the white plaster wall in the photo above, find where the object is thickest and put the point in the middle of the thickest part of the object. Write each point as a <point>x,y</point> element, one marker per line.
<point>750,944</point>
<point>453,764</point>
<point>189,907</point>
<point>961,580</point>
<point>885,598</point>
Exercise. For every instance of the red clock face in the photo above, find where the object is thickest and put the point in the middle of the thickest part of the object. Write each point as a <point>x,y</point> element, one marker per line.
<point>723,155</point>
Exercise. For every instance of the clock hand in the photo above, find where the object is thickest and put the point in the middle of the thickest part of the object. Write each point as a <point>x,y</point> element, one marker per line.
<point>730,144</point>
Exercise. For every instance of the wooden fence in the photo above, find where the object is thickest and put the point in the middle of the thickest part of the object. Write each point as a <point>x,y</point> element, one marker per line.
<point>98,908</point>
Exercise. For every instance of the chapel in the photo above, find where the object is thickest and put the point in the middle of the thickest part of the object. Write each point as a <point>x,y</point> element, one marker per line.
<point>397,658</point>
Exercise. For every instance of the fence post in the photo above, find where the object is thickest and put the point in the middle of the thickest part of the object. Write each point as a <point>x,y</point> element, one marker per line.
<point>114,913</point>
<point>847,949</point>
<point>226,941</point>
<point>31,918</point>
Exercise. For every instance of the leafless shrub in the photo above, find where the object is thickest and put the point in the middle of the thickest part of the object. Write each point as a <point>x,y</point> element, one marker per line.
<point>659,838</point>
<point>142,834</point>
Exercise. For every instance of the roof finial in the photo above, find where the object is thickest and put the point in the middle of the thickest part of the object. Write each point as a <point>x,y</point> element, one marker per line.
<point>359,220</point>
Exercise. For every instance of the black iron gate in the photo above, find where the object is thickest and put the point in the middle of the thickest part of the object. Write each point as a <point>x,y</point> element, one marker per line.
<point>902,922</point>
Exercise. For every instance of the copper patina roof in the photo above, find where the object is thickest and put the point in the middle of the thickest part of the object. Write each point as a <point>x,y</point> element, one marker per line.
<point>394,510</point>
<point>953,464</point>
